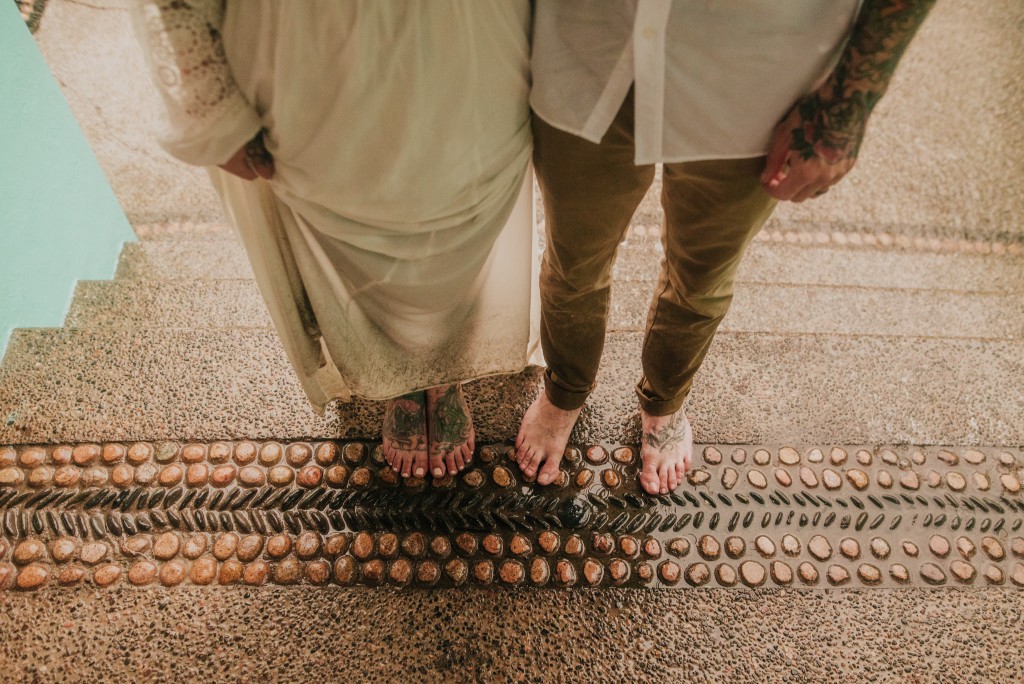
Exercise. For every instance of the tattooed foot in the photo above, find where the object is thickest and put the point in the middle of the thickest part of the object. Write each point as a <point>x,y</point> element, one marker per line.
<point>450,430</point>
<point>542,438</point>
<point>404,435</point>
<point>667,451</point>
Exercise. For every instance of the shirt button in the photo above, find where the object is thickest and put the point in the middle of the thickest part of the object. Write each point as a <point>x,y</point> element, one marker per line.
<point>650,33</point>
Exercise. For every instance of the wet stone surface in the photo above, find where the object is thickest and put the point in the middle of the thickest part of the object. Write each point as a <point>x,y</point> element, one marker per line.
<point>315,513</point>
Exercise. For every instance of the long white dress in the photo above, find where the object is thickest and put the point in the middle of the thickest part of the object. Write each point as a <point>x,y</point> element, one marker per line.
<point>394,245</point>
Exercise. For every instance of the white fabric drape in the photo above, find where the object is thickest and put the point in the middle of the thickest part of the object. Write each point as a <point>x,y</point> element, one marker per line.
<point>394,246</point>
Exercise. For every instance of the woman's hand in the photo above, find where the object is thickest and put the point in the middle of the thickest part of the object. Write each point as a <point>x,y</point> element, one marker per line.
<point>252,160</point>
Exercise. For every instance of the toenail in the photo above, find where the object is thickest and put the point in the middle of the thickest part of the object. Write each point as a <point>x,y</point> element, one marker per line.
<point>419,472</point>
<point>438,472</point>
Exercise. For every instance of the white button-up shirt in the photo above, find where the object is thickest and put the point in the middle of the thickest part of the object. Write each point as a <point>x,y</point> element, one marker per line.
<point>712,77</point>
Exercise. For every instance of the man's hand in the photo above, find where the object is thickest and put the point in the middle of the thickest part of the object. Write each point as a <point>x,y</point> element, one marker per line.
<point>817,143</point>
<point>252,160</point>
<point>812,149</point>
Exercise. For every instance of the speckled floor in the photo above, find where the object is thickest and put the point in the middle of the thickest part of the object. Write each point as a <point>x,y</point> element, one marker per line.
<point>927,229</point>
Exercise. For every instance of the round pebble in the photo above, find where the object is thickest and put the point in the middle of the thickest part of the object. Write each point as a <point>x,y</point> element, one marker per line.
<point>220,452</point>
<point>765,546</point>
<point>311,475</point>
<point>697,574</point>
<point>910,548</point>
<point>270,453</point>
<point>783,477</point>
<point>739,456</point>
<point>624,455</point>
<point>629,546</point>
<point>992,548</point>
<point>869,574</point>
<point>611,479</point>
<point>910,480</point>
<point>326,453</point>
<point>837,575</point>
<point>938,545</point>
<point>712,456</point>
<point>337,544</point>
<point>899,573</point>
<point>457,570</point>
<point>249,547</point>
<point>62,550</point>
<point>540,571</point>
<point>548,541</point>
<point>166,546</point>
<point>93,552</point>
<point>726,575</point>
<point>837,455</point>
<point>734,547</point>
<point>230,572</point>
<point>574,545</point>
<point>400,572</point>
<point>344,570</point>
<point>105,575</point>
<point>1010,483</point>
<point>858,478</point>
<point>956,481</point>
<point>932,574</point>
<point>790,545</point>
<point>730,477</point>
<point>781,573</point>
<point>225,545</point>
<point>966,547</point>
<point>993,574</point>
<point>819,547</point>
<point>501,476</point>
<point>71,574</point>
<point>757,479</point>
<point>593,572</point>
<point>466,544</point>
<point>565,573</point>
<point>596,455</point>
<point>762,457</point>
<point>880,548</point>
<point>256,573</point>
<point>428,573</point>
<point>698,477</point>
<point>849,548</point>
<point>492,544</point>
<point>789,456</point>
<point>27,551</point>
<point>142,572</point>
<point>708,547</point>
<point>831,479</point>
<point>32,577</point>
<point>963,571</point>
<point>884,479</point>
<point>171,475</point>
<point>753,574</point>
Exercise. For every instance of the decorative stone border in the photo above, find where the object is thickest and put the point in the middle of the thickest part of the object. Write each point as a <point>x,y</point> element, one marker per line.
<point>321,513</point>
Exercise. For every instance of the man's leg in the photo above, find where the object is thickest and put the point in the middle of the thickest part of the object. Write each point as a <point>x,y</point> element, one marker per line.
<point>712,211</point>
<point>590,192</point>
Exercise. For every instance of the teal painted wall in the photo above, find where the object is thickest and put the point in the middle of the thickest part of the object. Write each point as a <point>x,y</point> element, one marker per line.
<point>59,219</point>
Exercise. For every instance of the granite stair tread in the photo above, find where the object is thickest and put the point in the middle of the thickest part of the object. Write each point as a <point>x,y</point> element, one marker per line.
<point>92,384</point>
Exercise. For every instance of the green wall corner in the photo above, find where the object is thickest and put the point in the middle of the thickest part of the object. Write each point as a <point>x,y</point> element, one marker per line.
<point>59,219</point>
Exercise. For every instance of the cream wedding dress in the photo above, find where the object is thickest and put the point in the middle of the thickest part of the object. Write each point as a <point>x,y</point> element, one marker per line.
<point>394,246</point>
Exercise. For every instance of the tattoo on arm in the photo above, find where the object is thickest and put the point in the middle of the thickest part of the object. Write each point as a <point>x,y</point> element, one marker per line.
<point>667,436</point>
<point>832,119</point>
<point>449,421</point>
<point>405,421</point>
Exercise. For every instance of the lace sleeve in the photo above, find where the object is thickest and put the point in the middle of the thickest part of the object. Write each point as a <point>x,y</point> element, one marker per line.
<point>205,118</point>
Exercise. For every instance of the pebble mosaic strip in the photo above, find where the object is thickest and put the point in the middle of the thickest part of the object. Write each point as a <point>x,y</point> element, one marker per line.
<point>319,513</point>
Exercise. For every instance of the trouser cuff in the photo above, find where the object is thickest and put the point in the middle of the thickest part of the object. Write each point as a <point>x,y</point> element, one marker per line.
<point>565,399</point>
<point>656,406</point>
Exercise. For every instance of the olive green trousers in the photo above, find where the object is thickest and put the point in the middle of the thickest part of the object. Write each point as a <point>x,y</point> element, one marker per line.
<point>590,191</point>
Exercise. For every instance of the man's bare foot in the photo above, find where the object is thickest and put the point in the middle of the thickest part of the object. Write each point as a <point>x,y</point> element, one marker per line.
<point>666,451</point>
<point>404,435</point>
<point>542,438</point>
<point>450,428</point>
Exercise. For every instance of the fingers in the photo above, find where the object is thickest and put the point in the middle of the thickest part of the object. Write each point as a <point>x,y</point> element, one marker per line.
<point>778,155</point>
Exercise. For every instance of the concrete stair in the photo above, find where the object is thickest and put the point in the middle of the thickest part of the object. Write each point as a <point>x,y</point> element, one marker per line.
<point>824,344</point>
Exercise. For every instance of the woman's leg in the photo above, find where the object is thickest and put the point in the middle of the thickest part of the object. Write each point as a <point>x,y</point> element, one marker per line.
<point>450,429</point>
<point>404,435</point>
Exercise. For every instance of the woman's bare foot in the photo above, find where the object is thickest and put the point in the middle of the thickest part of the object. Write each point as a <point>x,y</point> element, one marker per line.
<point>450,428</point>
<point>404,435</point>
<point>542,438</point>
<point>667,451</point>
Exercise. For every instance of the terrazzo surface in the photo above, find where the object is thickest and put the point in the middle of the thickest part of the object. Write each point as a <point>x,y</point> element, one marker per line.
<point>287,634</point>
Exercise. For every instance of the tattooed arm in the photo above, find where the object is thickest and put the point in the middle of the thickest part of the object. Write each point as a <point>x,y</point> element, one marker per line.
<point>817,143</point>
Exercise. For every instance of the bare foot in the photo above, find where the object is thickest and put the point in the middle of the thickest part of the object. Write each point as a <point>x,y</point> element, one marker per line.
<point>667,451</point>
<point>452,438</point>
<point>542,438</point>
<point>404,435</point>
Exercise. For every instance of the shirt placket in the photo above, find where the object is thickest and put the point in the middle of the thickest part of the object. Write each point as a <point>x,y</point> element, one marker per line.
<point>649,77</point>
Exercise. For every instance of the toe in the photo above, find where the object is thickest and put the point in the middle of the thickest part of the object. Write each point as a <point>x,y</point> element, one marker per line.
<point>673,477</point>
<point>449,458</point>
<point>467,455</point>
<point>406,459</point>
<point>549,472</point>
<point>663,477</point>
<point>436,463</point>
<point>536,458</point>
<point>419,463</point>
<point>649,477</point>
<point>459,457</point>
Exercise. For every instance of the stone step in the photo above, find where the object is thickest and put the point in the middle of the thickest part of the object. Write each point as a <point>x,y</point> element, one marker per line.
<point>110,384</point>
<point>639,260</point>
<point>756,308</point>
